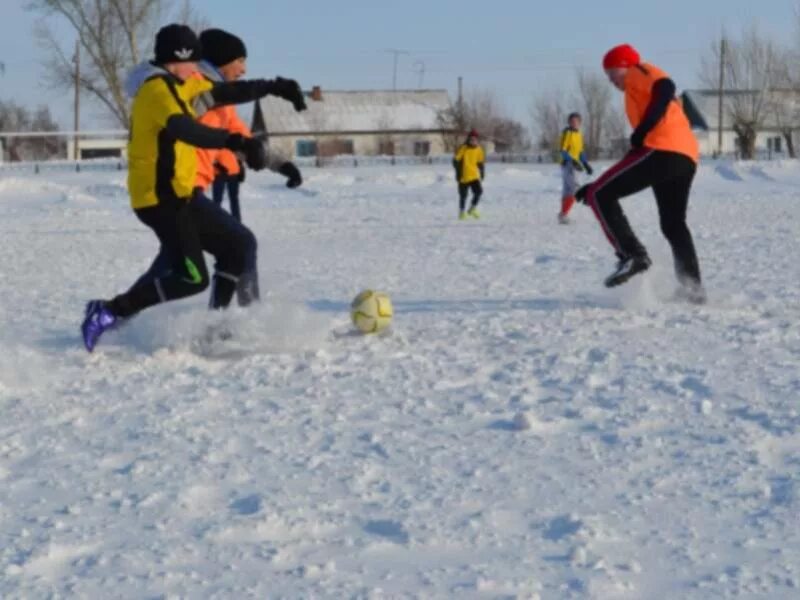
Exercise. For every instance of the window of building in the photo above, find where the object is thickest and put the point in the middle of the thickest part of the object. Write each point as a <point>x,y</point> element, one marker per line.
<point>346,147</point>
<point>306,148</point>
<point>386,148</point>
<point>422,148</point>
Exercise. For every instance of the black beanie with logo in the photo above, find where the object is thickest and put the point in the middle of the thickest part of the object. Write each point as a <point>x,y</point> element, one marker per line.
<point>176,43</point>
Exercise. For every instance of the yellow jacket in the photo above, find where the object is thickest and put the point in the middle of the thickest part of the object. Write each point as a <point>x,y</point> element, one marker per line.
<point>159,165</point>
<point>469,163</point>
<point>572,145</point>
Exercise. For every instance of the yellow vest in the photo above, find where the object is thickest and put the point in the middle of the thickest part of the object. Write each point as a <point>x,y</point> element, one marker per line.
<point>159,166</point>
<point>572,143</point>
<point>469,157</point>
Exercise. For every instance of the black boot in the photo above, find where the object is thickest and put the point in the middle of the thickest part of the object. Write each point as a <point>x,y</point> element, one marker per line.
<point>627,267</point>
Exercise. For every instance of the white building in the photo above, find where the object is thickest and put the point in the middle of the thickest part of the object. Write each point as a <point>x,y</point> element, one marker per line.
<point>402,122</point>
<point>98,147</point>
<point>702,108</point>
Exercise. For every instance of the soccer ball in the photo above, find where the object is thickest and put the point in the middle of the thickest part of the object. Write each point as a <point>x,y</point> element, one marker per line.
<point>371,311</point>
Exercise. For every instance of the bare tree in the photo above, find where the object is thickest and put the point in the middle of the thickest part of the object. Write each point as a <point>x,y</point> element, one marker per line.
<point>549,118</point>
<point>482,110</point>
<point>751,70</point>
<point>616,139</point>
<point>113,36</point>
<point>782,101</point>
<point>18,118</point>
<point>595,94</point>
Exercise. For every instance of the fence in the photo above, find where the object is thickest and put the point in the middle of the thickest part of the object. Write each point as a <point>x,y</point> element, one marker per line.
<point>120,164</point>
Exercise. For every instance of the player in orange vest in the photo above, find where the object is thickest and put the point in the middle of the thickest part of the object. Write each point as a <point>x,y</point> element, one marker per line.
<point>224,59</point>
<point>663,156</point>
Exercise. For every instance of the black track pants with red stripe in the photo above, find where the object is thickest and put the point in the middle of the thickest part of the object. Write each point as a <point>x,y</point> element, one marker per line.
<point>670,175</point>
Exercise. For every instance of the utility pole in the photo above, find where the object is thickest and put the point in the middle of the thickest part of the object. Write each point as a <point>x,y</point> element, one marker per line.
<point>77,102</point>
<point>419,66</point>
<point>396,53</point>
<point>461,120</point>
<point>721,93</point>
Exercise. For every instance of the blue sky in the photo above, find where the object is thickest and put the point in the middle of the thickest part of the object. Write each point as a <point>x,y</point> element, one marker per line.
<point>516,47</point>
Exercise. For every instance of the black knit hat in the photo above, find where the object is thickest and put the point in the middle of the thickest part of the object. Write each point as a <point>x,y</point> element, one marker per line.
<point>221,47</point>
<point>574,115</point>
<point>176,43</point>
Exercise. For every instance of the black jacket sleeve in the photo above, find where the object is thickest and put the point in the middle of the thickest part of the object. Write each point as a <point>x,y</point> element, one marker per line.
<point>662,94</point>
<point>239,92</point>
<point>186,129</point>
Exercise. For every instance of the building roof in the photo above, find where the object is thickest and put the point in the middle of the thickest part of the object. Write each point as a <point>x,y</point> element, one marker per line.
<point>356,112</point>
<point>706,104</point>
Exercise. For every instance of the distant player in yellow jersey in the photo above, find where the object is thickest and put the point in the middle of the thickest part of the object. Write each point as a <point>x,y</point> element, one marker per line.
<point>470,170</point>
<point>572,161</point>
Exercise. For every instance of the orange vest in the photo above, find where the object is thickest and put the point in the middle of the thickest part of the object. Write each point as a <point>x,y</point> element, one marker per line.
<point>223,117</point>
<point>673,132</point>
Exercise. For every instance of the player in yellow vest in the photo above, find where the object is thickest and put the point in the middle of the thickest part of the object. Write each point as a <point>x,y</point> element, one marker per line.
<point>162,169</point>
<point>572,161</point>
<point>470,170</point>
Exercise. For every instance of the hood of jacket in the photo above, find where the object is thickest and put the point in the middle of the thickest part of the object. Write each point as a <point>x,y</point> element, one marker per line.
<point>139,74</point>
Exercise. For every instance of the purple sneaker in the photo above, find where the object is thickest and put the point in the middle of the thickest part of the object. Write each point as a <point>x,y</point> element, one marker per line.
<point>98,319</point>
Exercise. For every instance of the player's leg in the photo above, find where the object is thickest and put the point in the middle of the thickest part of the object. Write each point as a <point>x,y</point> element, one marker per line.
<point>187,275</point>
<point>232,244</point>
<point>477,192</point>
<point>218,188</point>
<point>569,185</point>
<point>637,171</point>
<point>233,196</point>
<point>672,198</point>
<point>463,190</point>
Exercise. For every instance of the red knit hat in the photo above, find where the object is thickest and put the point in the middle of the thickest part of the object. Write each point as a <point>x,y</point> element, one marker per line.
<point>473,133</point>
<point>621,57</point>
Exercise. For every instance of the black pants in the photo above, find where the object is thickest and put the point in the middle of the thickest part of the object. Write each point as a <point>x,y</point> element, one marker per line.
<point>670,175</point>
<point>186,230</point>
<point>231,183</point>
<point>463,190</point>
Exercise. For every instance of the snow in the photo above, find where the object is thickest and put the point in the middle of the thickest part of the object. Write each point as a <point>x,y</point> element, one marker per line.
<point>519,432</point>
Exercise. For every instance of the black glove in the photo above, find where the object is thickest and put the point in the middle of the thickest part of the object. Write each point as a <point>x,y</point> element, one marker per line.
<point>288,89</point>
<point>576,165</point>
<point>482,169</point>
<point>255,156</point>
<point>289,170</point>
<point>580,195</point>
<point>637,138</point>
<point>588,167</point>
<point>240,175</point>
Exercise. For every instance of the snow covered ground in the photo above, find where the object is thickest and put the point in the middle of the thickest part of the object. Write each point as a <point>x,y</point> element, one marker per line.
<point>520,432</point>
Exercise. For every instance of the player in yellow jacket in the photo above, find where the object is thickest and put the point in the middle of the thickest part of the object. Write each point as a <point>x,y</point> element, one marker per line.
<point>162,168</point>
<point>469,163</point>
<point>573,160</point>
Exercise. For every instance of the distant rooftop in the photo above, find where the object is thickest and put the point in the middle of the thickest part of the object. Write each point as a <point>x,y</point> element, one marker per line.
<point>706,103</point>
<point>357,111</point>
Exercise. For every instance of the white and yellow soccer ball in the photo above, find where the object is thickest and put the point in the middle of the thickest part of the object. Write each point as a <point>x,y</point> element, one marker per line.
<point>371,311</point>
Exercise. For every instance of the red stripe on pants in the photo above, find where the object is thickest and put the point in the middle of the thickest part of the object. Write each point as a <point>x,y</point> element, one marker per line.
<point>633,158</point>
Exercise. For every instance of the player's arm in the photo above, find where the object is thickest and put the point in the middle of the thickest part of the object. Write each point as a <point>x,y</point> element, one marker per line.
<point>585,162</point>
<point>482,163</point>
<point>662,93</point>
<point>186,129</point>
<point>458,162</point>
<point>239,92</point>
